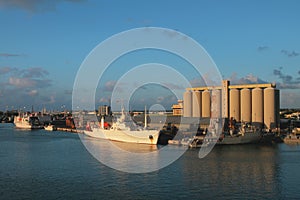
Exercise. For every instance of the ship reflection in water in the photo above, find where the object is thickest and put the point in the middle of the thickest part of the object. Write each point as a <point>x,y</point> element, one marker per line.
<point>251,169</point>
<point>131,157</point>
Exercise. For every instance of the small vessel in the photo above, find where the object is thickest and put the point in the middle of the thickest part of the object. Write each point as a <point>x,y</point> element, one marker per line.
<point>197,142</point>
<point>123,130</point>
<point>26,121</point>
<point>50,127</point>
<point>292,139</point>
<point>184,141</point>
<point>296,131</point>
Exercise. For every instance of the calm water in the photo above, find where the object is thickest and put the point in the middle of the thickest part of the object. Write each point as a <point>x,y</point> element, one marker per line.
<point>55,165</point>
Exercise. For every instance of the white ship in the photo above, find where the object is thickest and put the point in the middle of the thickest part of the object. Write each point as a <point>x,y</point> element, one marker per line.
<point>25,121</point>
<point>124,131</point>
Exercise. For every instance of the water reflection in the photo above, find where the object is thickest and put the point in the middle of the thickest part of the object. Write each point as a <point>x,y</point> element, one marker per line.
<point>248,170</point>
<point>131,158</point>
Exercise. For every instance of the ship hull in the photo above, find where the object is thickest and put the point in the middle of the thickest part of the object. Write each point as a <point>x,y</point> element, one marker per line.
<point>247,138</point>
<point>23,123</point>
<point>138,137</point>
<point>27,126</point>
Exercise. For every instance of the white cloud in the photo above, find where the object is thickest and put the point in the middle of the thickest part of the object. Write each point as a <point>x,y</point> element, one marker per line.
<point>33,93</point>
<point>21,82</point>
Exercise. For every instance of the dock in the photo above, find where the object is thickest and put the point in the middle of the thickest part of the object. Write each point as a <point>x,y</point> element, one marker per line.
<point>72,130</point>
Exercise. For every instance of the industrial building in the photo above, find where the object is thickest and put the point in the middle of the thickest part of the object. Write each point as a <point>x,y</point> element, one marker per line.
<point>254,103</point>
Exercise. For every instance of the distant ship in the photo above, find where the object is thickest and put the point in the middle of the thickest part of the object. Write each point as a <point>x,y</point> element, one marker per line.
<point>245,134</point>
<point>26,121</point>
<point>123,131</point>
<point>237,134</point>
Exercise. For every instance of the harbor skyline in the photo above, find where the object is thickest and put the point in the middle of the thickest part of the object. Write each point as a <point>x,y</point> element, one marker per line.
<point>44,43</point>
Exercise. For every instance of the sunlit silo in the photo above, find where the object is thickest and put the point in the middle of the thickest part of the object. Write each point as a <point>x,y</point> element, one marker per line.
<point>245,105</point>
<point>277,106</point>
<point>216,109</point>
<point>270,108</point>
<point>234,104</point>
<point>187,104</point>
<point>256,103</point>
<point>205,108</point>
<point>196,104</point>
<point>258,106</point>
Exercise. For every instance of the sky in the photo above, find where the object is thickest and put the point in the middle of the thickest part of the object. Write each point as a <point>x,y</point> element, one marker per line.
<point>44,43</point>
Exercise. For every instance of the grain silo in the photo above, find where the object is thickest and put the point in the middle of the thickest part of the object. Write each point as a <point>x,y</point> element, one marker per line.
<point>216,109</point>
<point>277,106</point>
<point>187,104</point>
<point>246,105</point>
<point>196,98</point>
<point>270,108</point>
<point>205,108</point>
<point>258,106</point>
<point>234,104</point>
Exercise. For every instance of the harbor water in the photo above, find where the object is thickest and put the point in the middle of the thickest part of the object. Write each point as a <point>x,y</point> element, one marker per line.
<point>56,165</point>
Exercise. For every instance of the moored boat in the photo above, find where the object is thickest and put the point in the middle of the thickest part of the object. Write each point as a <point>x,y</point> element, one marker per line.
<point>50,127</point>
<point>25,121</point>
<point>292,139</point>
<point>243,134</point>
<point>123,131</point>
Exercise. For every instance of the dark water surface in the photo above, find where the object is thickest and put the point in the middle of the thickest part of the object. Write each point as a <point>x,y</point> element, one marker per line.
<point>56,165</point>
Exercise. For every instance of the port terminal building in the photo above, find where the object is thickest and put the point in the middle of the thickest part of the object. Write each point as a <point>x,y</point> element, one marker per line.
<point>258,104</point>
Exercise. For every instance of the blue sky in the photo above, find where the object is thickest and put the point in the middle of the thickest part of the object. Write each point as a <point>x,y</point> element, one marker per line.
<point>43,43</point>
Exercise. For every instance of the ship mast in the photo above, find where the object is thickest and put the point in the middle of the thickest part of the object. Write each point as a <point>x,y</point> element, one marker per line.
<point>146,124</point>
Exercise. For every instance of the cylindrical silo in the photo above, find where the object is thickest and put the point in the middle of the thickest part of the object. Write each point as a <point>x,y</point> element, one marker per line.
<point>258,106</point>
<point>205,108</point>
<point>277,107</point>
<point>216,104</point>
<point>187,104</point>
<point>270,108</point>
<point>234,104</point>
<point>196,104</point>
<point>245,105</point>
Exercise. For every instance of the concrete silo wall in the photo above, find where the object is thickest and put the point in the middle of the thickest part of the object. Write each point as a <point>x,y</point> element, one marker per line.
<point>196,98</point>
<point>246,105</point>
<point>277,106</point>
<point>234,104</point>
<point>216,109</point>
<point>187,104</point>
<point>258,106</point>
<point>269,108</point>
<point>205,104</point>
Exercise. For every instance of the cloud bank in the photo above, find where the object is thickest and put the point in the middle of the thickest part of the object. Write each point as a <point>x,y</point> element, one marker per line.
<point>289,53</point>
<point>287,81</point>
<point>23,86</point>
